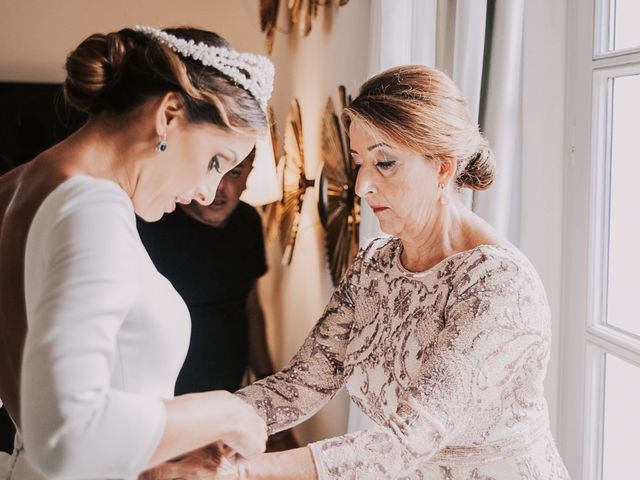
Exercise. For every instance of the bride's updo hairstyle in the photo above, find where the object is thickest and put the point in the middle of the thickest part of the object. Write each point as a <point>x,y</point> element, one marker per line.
<point>117,72</point>
<point>421,109</point>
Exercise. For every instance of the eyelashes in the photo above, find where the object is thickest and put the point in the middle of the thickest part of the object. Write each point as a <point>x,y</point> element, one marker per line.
<point>386,165</point>
<point>214,164</point>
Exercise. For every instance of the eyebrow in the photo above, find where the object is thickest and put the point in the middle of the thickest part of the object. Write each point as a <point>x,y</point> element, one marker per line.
<point>371,147</point>
<point>233,157</point>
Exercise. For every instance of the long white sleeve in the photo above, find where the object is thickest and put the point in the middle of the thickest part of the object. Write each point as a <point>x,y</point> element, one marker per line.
<point>82,280</point>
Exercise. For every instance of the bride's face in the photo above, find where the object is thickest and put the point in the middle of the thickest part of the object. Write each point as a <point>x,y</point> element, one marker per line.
<point>190,169</point>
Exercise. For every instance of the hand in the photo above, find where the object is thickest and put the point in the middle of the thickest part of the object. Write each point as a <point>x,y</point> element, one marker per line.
<point>213,462</point>
<point>245,432</point>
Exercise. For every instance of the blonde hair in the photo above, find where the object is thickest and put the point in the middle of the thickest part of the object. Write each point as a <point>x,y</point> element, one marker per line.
<point>422,109</point>
<point>118,71</point>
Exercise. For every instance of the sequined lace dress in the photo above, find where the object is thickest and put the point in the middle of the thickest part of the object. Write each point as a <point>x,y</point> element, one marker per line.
<point>449,363</point>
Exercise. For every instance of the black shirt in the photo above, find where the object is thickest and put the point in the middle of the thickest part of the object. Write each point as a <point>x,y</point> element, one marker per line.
<point>213,269</point>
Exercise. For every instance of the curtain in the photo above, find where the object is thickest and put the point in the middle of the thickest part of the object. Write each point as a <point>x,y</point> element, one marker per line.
<point>501,116</point>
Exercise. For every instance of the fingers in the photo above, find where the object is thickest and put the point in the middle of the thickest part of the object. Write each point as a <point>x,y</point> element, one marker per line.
<point>249,436</point>
<point>201,464</point>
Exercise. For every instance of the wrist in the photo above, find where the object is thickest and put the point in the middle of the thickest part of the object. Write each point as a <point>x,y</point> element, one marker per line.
<point>225,415</point>
<point>242,470</point>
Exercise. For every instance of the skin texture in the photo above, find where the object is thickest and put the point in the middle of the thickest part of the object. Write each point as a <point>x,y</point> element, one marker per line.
<point>123,150</point>
<point>403,189</point>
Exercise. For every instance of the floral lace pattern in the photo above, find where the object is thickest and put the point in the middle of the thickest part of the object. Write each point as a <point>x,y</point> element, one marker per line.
<point>449,363</point>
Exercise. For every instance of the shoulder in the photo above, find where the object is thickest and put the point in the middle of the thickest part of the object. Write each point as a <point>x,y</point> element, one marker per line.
<point>87,225</point>
<point>248,216</point>
<point>83,207</point>
<point>373,258</point>
<point>247,211</point>
<point>494,269</point>
<point>378,248</point>
<point>83,193</point>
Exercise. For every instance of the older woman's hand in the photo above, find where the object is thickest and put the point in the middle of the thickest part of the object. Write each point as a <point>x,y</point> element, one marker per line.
<point>213,462</point>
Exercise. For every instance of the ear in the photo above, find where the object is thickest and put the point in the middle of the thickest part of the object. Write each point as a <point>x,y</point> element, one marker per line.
<point>448,168</point>
<point>169,113</point>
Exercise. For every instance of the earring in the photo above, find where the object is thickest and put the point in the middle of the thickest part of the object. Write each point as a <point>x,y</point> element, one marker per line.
<point>162,144</point>
<point>443,195</point>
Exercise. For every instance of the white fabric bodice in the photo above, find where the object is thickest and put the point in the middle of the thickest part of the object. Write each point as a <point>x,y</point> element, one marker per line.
<point>107,335</point>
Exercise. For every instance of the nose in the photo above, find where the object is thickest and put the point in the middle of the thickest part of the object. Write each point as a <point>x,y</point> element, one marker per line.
<point>205,194</point>
<point>364,182</point>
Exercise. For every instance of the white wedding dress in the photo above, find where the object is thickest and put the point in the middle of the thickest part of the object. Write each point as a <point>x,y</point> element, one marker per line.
<point>107,335</point>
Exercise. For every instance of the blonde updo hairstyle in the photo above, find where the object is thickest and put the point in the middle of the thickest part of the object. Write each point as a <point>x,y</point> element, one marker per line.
<point>421,109</point>
<point>119,71</point>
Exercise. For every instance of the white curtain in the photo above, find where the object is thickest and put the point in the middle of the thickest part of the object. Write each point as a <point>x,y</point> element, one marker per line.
<point>478,43</point>
<point>501,117</point>
<point>460,51</point>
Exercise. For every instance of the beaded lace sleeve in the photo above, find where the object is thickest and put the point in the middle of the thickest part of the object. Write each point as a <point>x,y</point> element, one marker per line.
<point>316,372</point>
<point>477,346</point>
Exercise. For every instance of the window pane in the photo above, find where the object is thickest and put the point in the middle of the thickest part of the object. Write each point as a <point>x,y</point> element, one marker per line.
<point>621,420</point>
<point>624,234</point>
<point>627,33</point>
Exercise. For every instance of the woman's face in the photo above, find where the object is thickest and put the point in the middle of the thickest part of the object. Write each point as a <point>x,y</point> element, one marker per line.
<point>400,185</point>
<point>196,159</point>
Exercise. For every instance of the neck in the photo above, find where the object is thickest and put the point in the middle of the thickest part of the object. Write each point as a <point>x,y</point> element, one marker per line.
<point>97,150</point>
<point>449,233</point>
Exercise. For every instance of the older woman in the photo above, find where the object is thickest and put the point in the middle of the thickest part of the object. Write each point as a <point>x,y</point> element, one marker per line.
<point>440,332</point>
<point>170,112</point>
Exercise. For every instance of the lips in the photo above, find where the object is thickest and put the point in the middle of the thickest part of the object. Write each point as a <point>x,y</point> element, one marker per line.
<point>219,202</point>
<point>378,209</point>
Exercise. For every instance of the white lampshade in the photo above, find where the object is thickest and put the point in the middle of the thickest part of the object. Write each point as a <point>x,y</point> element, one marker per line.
<point>263,186</point>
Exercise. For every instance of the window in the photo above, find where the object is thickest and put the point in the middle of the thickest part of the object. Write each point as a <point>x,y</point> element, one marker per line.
<point>601,383</point>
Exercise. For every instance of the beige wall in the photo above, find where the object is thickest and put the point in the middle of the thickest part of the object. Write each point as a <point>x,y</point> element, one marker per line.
<point>36,35</point>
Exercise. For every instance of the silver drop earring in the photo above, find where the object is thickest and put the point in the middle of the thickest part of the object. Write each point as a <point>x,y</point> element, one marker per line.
<point>162,144</point>
<point>443,195</point>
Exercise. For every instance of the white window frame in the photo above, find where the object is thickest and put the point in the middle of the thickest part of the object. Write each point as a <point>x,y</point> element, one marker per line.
<point>585,336</point>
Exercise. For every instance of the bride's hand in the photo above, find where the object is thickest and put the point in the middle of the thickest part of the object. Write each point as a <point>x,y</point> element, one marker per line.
<point>213,462</point>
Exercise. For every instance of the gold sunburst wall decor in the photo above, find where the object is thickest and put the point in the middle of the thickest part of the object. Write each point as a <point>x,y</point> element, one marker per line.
<point>338,205</point>
<point>271,212</point>
<point>268,19</point>
<point>294,183</point>
<point>302,13</point>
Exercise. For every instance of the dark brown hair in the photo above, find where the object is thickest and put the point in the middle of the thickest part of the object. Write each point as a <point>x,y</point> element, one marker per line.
<point>119,71</point>
<point>422,109</point>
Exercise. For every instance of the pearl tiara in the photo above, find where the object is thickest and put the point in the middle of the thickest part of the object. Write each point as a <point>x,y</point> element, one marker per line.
<point>252,72</point>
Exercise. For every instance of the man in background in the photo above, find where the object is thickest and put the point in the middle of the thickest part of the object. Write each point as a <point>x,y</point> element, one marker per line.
<point>213,256</point>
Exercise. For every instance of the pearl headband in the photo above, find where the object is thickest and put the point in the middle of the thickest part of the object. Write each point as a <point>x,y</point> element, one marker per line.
<point>252,72</point>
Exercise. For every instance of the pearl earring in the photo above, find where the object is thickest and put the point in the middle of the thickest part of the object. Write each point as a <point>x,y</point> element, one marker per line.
<point>443,195</point>
<point>162,144</point>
